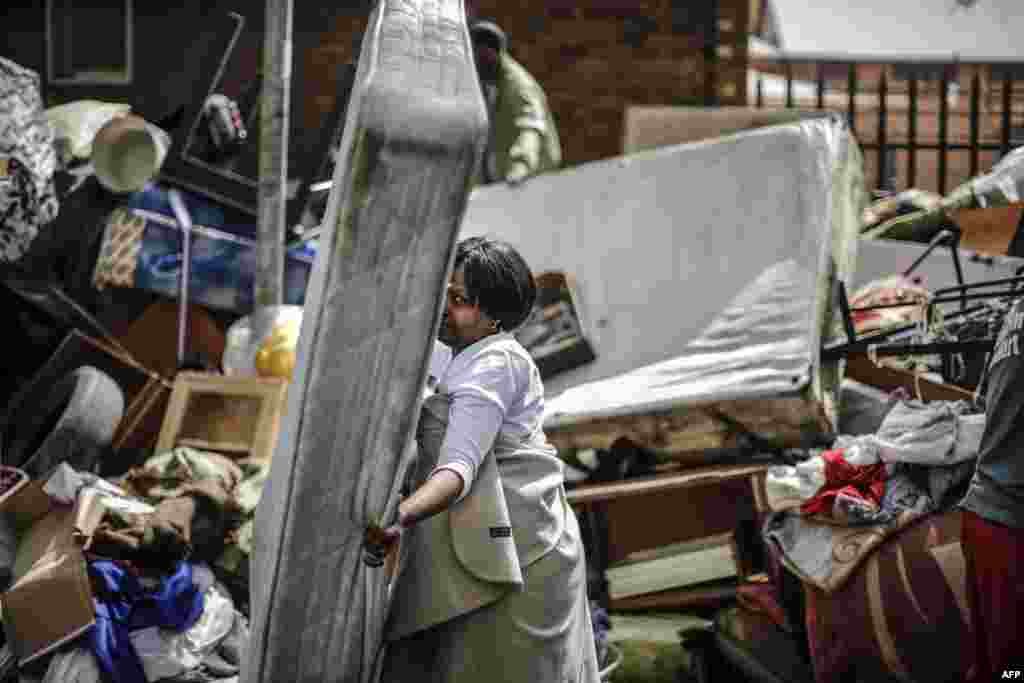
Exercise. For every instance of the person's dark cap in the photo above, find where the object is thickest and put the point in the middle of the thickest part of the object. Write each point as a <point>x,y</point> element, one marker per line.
<point>488,33</point>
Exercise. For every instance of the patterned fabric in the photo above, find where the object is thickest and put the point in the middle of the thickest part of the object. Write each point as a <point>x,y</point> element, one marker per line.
<point>903,614</point>
<point>119,254</point>
<point>28,160</point>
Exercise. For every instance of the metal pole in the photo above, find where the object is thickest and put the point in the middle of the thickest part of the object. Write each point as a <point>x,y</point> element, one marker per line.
<point>975,119</point>
<point>184,219</point>
<point>943,129</point>
<point>273,179</point>
<point>883,123</point>
<point>912,133</point>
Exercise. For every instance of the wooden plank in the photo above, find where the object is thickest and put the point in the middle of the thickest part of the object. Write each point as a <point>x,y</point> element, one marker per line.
<point>640,486</point>
<point>143,417</point>
<point>414,134</point>
<point>695,597</point>
<point>890,379</point>
<point>689,429</point>
<point>706,560</point>
<point>688,514</point>
<point>219,446</point>
<point>152,337</point>
<point>694,504</point>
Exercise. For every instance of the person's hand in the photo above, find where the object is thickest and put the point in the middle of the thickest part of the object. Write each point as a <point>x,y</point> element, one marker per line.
<point>378,542</point>
<point>517,173</point>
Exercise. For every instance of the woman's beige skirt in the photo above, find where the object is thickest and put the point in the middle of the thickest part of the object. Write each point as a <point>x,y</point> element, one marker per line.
<point>542,634</point>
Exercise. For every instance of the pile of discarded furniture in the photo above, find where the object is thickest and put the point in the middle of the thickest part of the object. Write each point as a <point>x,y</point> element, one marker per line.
<point>781,413</point>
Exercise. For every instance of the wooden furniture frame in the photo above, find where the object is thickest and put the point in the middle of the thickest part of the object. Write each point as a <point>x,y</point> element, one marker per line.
<point>688,503</point>
<point>256,442</point>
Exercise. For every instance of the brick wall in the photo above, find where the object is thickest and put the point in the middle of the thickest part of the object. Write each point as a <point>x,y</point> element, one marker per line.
<point>593,58</point>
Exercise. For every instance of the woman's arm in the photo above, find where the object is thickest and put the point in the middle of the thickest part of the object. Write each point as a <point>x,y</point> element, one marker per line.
<point>435,495</point>
<point>474,419</point>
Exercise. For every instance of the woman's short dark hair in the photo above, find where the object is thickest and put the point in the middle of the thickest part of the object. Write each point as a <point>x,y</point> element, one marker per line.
<point>488,34</point>
<point>497,279</point>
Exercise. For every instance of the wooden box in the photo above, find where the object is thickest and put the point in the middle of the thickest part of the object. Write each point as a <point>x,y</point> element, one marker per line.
<point>235,416</point>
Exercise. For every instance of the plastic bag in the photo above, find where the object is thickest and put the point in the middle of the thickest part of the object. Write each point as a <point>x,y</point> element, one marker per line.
<point>264,343</point>
<point>76,124</point>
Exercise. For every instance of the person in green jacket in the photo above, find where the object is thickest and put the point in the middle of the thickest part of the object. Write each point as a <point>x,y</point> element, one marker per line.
<point>523,137</point>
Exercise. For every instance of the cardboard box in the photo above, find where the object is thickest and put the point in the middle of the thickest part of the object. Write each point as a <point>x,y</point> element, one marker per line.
<point>50,601</point>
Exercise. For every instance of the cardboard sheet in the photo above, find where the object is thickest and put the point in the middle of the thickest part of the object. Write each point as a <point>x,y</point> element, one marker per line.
<point>50,601</point>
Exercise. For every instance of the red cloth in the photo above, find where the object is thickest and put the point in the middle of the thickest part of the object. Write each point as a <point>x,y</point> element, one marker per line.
<point>994,556</point>
<point>866,482</point>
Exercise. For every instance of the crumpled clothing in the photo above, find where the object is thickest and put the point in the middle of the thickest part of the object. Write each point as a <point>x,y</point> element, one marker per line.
<point>77,665</point>
<point>28,198</point>
<point>824,553</point>
<point>124,604</point>
<point>945,485</point>
<point>935,433</point>
<point>164,476</point>
<point>166,654</point>
<point>937,436</point>
<point>851,491</point>
<point>190,526</point>
<point>788,486</point>
<point>858,451</point>
<point>235,558</point>
<point>193,494</point>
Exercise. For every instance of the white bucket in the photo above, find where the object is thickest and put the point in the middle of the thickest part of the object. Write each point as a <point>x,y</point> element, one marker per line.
<point>128,152</point>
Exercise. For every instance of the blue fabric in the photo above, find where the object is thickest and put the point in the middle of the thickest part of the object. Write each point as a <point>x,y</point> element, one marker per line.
<point>124,605</point>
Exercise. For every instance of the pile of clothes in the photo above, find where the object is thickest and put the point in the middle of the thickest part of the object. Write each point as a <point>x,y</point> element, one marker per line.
<point>167,568</point>
<point>831,510</point>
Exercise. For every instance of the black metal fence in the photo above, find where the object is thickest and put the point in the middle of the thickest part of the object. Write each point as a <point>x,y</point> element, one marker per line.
<point>990,93</point>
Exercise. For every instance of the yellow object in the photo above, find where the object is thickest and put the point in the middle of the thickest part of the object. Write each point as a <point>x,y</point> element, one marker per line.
<point>276,355</point>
